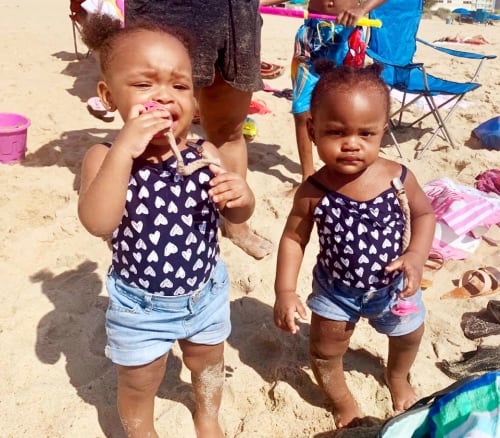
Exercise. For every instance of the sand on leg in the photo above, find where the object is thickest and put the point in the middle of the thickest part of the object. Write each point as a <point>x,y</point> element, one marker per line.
<point>329,341</point>
<point>206,363</point>
<point>137,387</point>
<point>402,353</point>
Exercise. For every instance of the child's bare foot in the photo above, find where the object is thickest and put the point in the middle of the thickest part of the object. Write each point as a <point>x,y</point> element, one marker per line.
<point>345,411</point>
<point>249,241</point>
<point>207,427</point>
<point>402,394</point>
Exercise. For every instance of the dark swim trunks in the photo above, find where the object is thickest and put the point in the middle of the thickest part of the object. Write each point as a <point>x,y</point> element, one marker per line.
<point>227,34</point>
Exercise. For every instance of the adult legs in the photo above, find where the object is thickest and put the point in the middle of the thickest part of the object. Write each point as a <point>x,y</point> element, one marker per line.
<point>206,363</point>
<point>304,144</point>
<point>402,353</point>
<point>223,110</point>
<point>137,387</point>
<point>328,343</point>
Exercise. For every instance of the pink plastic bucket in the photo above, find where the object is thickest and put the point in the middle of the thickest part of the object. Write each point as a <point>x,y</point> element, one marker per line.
<point>13,134</point>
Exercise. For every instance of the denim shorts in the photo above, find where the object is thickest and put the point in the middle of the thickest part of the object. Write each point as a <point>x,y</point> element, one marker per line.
<point>141,327</point>
<point>333,300</point>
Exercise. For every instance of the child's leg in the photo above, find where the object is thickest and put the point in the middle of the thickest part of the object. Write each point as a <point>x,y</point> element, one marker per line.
<point>402,353</point>
<point>206,363</point>
<point>304,144</point>
<point>329,341</point>
<point>137,387</point>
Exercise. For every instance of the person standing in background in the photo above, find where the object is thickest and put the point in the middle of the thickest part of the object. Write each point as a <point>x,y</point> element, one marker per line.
<point>226,71</point>
<point>341,42</point>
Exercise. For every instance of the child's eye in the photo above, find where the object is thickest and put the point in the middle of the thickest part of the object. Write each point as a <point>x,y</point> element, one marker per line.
<point>366,134</point>
<point>181,87</point>
<point>335,133</point>
<point>142,85</point>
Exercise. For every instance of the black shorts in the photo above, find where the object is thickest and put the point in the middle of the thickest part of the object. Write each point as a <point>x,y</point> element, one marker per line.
<point>227,35</point>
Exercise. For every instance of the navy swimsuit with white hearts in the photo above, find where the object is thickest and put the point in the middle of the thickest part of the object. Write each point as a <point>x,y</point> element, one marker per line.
<point>166,243</point>
<point>359,239</point>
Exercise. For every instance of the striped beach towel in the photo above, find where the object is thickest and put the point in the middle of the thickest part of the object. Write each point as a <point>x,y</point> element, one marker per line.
<point>459,211</point>
<point>469,408</point>
<point>473,410</point>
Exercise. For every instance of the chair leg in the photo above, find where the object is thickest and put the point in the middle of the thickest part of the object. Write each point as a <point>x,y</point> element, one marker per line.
<point>74,40</point>
<point>441,124</point>
<point>391,133</point>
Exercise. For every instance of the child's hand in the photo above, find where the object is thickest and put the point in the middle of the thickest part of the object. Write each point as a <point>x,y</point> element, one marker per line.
<point>229,190</point>
<point>349,17</point>
<point>285,307</point>
<point>411,264</point>
<point>141,127</point>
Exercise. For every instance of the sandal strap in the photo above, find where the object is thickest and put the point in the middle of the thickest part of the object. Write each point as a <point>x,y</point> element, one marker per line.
<point>485,278</point>
<point>494,274</point>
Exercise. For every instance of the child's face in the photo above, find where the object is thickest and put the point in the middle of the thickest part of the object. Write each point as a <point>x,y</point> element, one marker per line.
<point>347,129</point>
<point>151,66</point>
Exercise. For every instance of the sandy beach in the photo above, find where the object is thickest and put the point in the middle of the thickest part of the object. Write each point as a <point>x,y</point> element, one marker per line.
<point>54,378</point>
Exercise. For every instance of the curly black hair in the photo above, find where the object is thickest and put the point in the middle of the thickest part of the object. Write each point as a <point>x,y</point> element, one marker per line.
<point>344,79</point>
<point>101,32</point>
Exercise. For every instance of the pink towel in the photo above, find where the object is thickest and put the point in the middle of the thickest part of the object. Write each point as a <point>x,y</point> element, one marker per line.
<point>459,210</point>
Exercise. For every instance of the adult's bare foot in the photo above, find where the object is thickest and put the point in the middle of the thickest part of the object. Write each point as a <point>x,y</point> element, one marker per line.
<point>402,394</point>
<point>248,240</point>
<point>346,412</point>
<point>207,427</point>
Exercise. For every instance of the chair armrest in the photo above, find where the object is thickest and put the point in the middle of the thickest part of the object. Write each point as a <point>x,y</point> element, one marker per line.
<point>457,53</point>
<point>380,59</point>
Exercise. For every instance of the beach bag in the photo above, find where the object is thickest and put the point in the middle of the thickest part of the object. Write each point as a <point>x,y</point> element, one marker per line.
<point>468,408</point>
<point>489,133</point>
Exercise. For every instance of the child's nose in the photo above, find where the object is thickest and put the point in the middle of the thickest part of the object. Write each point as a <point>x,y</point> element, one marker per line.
<point>350,143</point>
<point>164,95</point>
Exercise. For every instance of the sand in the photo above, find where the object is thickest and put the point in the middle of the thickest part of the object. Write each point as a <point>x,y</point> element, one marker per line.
<point>54,378</point>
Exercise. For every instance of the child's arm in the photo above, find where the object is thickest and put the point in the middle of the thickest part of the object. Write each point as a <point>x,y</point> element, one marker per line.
<point>290,254</point>
<point>231,194</point>
<point>106,171</point>
<point>349,17</point>
<point>422,233</point>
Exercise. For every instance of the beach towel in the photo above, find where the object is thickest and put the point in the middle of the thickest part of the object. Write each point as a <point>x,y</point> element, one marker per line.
<point>113,8</point>
<point>459,211</point>
<point>467,408</point>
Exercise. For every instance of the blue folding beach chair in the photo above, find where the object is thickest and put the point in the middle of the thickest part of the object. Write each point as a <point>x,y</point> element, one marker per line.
<point>394,46</point>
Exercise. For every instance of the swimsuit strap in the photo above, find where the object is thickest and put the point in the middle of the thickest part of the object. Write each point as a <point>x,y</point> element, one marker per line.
<point>404,172</point>
<point>197,146</point>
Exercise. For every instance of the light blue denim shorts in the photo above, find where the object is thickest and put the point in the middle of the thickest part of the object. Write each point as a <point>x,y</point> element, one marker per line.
<point>335,301</point>
<point>141,327</point>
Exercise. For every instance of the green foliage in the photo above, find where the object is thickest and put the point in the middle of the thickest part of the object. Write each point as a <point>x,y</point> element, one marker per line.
<point>428,4</point>
<point>443,13</point>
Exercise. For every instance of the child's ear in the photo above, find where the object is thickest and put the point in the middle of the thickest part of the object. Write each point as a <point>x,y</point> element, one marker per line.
<point>105,96</point>
<point>310,130</point>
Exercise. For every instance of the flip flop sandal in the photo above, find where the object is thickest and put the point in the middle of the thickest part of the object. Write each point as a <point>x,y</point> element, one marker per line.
<point>108,117</point>
<point>270,71</point>
<point>434,262</point>
<point>479,325</point>
<point>96,107</point>
<point>287,93</point>
<point>249,129</point>
<point>493,308</point>
<point>258,107</point>
<point>476,282</point>
<point>474,362</point>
